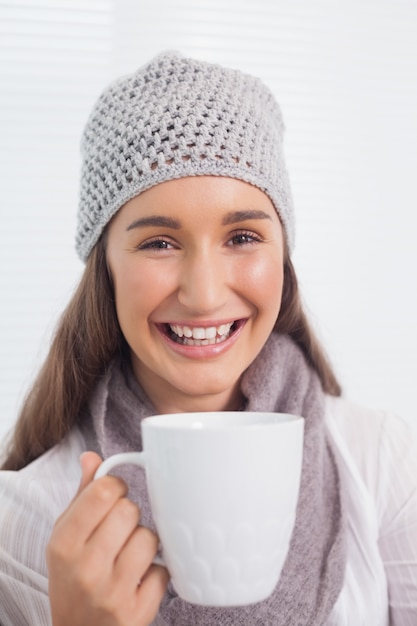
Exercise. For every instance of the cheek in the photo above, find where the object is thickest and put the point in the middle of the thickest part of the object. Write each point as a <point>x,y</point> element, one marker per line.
<point>263,281</point>
<point>139,288</point>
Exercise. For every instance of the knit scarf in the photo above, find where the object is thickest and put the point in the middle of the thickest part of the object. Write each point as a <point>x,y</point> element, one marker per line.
<point>278,380</point>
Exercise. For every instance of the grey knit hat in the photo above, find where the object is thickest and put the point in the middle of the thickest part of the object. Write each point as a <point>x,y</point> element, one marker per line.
<point>179,117</point>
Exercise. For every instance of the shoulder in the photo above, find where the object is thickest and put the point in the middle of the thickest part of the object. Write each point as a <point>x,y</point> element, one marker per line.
<point>380,447</point>
<point>31,500</point>
<point>376,453</point>
<point>37,494</point>
<point>50,478</point>
<point>33,497</point>
<point>368,433</point>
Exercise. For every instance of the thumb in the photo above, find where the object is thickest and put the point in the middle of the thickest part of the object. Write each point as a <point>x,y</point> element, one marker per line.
<point>90,462</point>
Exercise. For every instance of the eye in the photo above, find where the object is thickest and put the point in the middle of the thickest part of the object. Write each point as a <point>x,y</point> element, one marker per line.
<point>242,238</point>
<point>157,244</point>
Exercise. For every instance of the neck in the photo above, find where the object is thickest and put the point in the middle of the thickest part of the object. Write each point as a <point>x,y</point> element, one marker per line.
<point>200,404</point>
<point>177,402</point>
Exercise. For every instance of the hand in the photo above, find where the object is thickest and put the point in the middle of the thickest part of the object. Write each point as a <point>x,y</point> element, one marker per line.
<point>100,560</point>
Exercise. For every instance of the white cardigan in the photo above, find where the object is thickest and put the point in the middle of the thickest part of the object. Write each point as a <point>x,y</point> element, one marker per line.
<point>377,458</point>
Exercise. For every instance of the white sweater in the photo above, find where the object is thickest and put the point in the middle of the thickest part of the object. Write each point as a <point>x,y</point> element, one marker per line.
<point>377,458</point>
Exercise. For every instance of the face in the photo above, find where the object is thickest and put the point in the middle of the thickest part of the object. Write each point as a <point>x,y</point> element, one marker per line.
<point>197,269</point>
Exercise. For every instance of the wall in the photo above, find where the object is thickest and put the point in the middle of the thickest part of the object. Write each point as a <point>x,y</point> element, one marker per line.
<point>346,76</point>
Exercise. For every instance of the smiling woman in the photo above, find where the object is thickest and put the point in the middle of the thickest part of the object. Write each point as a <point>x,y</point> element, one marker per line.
<point>189,302</point>
<point>197,287</point>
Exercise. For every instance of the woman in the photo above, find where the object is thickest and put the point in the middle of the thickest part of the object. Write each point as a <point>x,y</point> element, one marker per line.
<point>189,302</point>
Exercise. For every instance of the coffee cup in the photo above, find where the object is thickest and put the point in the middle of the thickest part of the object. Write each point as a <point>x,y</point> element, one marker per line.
<point>223,489</point>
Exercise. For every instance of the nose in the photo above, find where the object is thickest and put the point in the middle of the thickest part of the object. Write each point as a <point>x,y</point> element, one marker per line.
<point>203,282</point>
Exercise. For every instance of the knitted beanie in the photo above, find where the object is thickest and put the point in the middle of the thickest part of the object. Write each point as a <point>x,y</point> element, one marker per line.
<point>179,117</point>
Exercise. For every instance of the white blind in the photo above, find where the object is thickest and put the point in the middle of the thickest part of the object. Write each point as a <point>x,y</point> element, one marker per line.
<point>346,76</point>
<point>54,57</point>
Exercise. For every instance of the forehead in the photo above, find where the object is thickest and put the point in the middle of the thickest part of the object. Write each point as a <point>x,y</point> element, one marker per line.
<point>197,196</point>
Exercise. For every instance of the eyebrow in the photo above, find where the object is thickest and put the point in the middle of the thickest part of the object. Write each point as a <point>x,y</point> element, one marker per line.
<point>230,218</point>
<point>241,216</point>
<point>155,220</point>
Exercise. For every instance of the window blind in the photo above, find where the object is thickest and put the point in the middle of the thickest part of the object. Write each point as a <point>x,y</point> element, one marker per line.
<point>54,57</point>
<point>345,75</point>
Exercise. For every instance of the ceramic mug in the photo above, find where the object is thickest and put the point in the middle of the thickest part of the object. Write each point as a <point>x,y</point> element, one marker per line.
<point>223,489</point>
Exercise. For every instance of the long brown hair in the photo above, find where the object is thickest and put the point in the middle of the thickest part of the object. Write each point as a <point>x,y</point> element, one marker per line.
<point>88,337</point>
<point>292,320</point>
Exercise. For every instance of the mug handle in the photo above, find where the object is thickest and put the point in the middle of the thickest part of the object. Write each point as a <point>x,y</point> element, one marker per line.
<point>136,458</point>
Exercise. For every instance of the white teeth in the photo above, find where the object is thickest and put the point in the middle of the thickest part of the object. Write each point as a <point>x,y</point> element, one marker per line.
<point>202,336</point>
<point>210,332</point>
<point>224,329</point>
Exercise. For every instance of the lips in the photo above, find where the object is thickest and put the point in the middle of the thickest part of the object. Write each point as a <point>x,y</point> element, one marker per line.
<point>199,335</point>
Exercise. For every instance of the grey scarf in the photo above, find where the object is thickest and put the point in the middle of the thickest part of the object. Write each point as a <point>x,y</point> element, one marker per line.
<point>278,380</point>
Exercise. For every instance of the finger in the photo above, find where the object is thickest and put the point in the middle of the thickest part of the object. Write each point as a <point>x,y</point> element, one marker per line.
<point>136,557</point>
<point>150,593</point>
<point>90,462</point>
<point>109,538</point>
<point>87,511</point>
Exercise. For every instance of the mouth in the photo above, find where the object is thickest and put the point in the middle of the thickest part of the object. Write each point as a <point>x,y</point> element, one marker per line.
<point>201,335</point>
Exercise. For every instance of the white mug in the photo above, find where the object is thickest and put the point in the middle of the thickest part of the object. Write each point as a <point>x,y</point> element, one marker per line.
<point>223,489</point>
